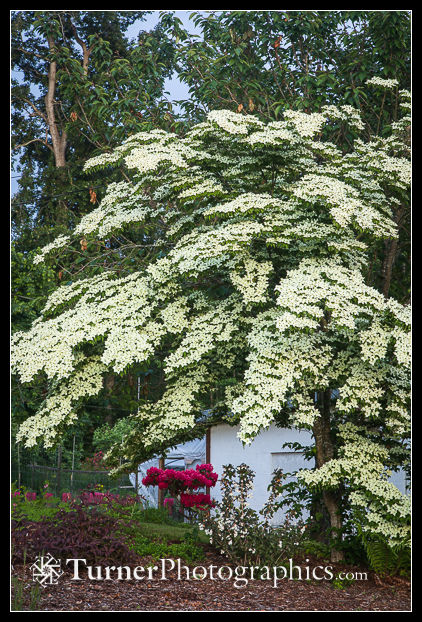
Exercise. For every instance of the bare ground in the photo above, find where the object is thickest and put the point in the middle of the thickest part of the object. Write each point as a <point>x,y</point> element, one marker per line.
<point>373,594</point>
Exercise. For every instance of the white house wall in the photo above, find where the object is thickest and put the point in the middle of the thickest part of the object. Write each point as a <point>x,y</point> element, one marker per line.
<point>263,455</point>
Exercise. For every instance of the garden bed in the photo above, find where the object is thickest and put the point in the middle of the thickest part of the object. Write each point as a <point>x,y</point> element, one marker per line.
<point>113,532</point>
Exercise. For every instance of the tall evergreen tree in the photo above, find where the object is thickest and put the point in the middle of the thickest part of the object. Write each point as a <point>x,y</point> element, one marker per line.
<point>80,85</point>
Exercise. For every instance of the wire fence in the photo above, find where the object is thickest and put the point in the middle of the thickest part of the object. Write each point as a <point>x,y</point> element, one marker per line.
<point>34,476</point>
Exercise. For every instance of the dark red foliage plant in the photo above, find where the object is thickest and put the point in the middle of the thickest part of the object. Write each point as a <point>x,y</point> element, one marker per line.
<point>92,535</point>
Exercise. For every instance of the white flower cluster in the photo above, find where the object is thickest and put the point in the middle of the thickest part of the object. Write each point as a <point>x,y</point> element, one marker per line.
<point>233,123</point>
<point>393,171</point>
<point>382,82</point>
<point>374,342</point>
<point>345,113</point>
<point>206,187</point>
<point>122,204</point>
<point>344,204</point>
<point>175,411</point>
<point>276,375</point>
<point>277,132</point>
<point>59,407</point>
<point>306,125</point>
<point>59,242</point>
<point>268,214</point>
<point>112,158</point>
<point>318,287</point>
<point>247,203</point>
<point>207,329</point>
<point>252,280</point>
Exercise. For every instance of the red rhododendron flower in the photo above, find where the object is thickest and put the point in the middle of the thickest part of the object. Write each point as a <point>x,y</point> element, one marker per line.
<point>183,483</point>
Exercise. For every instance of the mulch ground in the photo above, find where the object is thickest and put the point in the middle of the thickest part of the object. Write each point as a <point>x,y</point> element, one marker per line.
<point>373,594</point>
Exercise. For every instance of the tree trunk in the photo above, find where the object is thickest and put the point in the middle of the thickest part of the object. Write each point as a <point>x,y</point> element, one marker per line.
<point>332,505</point>
<point>390,256</point>
<point>325,453</point>
<point>109,384</point>
<point>59,140</point>
<point>387,267</point>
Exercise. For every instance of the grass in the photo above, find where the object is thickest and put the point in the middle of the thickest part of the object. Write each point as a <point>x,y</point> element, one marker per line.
<point>174,532</point>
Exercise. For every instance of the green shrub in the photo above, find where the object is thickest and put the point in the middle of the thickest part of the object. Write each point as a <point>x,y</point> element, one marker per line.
<point>37,510</point>
<point>188,550</point>
<point>318,549</point>
<point>387,560</point>
<point>240,532</point>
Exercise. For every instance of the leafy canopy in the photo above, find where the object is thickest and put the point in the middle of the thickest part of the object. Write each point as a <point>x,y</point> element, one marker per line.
<point>257,299</point>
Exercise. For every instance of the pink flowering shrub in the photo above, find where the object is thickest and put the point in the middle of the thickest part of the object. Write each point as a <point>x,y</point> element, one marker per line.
<point>27,495</point>
<point>28,505</point>
<point>182,484</point>
<point>93,497</point>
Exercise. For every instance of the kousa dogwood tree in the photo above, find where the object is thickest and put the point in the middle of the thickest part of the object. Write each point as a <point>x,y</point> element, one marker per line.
<point>256,307</point>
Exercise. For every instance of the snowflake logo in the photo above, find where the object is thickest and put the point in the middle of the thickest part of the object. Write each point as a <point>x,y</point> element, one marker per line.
<point>46,570</point>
